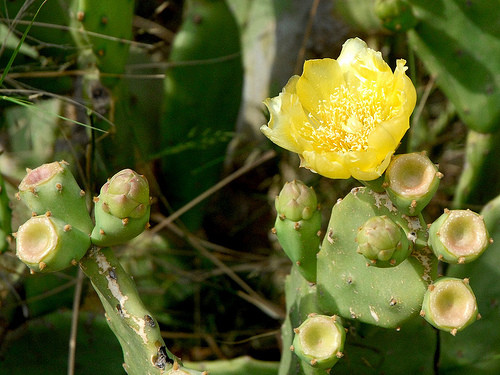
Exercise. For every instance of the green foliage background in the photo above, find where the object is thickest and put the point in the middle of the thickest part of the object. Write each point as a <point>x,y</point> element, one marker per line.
<point>115,89</point>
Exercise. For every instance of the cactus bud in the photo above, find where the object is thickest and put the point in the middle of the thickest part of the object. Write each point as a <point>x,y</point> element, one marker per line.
<point>411,180</point>
<point>450,304</point>
<point>383,242</point>
<point>122,209</point>
<point>126,194</point>
<point>458,236</point>
<point>319,341</point>
<point>296,201</point>
<point>47,244</point>
<point>52,187</point>
<point>298,226</point>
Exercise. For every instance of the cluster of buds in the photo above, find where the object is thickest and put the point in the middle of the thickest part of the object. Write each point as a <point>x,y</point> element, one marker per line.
<point>61,231</point>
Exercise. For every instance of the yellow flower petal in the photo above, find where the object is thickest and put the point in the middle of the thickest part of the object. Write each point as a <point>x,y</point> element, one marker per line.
<point>344,117</point>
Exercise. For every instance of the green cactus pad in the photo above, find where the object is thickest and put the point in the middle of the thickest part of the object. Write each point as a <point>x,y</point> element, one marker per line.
<point>347,286</point>
<point>319,341</point>
<point>458,236</point>
<point>411,180</point>
<point>450,304</point>
<point>47,244</point>
<point>52,188</point>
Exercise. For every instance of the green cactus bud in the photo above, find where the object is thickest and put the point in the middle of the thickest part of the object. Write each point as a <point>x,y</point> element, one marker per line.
<point>450,304</point>
<point>383,242</point>
<point>296,201</point>
<point>47,244</point>
<point>122,209</point>
<point>319,341</point>
<point>126,194</point>
<point>411,180</point>
<point>298,226</point>
<point>52,187</point>
<point>396,15</point>
<point>458,236</point>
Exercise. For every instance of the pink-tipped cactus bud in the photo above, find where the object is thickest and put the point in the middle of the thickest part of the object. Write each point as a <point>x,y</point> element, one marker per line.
<point>47,244</point>
<point>450,304</point>
<point>319,341</point>
<point>296,201</point>
<point>411,180</point>
<point>52,187</point>
<point>125,195</point>
<point>122,209</point>
<point>458,236</point>
<point>383,242</point>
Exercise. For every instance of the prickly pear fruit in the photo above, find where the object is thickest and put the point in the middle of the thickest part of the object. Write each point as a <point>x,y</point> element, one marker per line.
<point>411,180</point>
<point>450,304</point>
<point>121,209</point>
<point>52,188</point>
<point>383,242</point>
<point>458,236</point>
<point>47,244</point>
<point>319,341</point>
<point>298,225</point>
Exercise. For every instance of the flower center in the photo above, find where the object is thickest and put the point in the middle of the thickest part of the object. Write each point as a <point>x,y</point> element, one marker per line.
<point>345,120</point>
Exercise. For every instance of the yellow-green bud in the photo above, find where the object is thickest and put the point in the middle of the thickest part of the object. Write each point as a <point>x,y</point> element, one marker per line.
<point>125,195</point>
<point>296,201</point>
<point>383,242</point>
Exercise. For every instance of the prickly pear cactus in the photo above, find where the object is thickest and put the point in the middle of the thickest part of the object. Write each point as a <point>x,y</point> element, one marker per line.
<point>376,273</point>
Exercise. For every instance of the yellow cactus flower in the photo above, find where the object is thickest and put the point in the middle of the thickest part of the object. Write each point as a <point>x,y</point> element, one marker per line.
<point>344,117</point>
